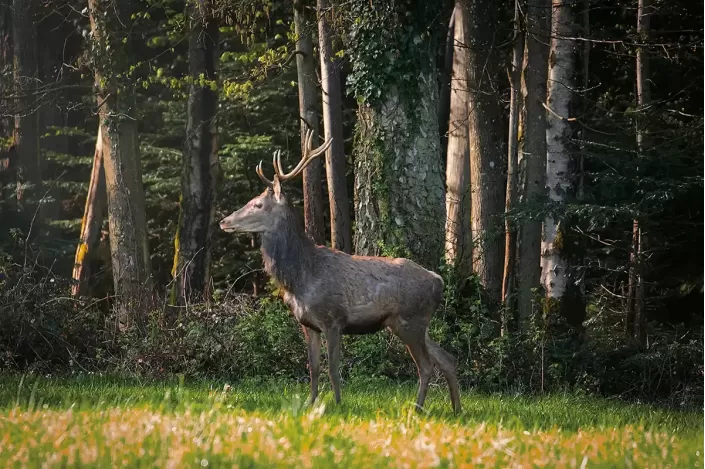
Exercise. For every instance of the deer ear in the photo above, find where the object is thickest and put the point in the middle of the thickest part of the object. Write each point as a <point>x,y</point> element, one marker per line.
<point>277,188</point>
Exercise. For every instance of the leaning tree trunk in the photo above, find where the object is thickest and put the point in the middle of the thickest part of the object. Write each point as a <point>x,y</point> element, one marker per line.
<point>26,132</point>
<point>510,244</point>
<point>555,273</point>
<point>458,247</point>
<point>533,155</point>
<point>192,245</point>
<point>340,225</point>
<point>306,68</point>
<point>399,190</point>
<point>129,247</point>
<point>91,223</point>
<point>487,180</point>
<point>636,313</point>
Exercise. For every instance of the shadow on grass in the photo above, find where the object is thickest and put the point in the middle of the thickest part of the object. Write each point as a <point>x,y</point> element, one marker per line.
<point>362,399</point>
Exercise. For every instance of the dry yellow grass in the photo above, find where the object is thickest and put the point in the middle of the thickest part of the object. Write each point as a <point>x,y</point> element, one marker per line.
<point>145,437</point>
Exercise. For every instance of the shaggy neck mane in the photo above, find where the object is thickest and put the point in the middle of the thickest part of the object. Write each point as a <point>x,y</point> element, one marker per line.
<point>288,252</point>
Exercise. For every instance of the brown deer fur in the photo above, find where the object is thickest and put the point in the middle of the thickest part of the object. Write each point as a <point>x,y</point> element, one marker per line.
<point>335,293</point>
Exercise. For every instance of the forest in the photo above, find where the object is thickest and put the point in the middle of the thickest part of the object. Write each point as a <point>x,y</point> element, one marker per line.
<point>544,157</point>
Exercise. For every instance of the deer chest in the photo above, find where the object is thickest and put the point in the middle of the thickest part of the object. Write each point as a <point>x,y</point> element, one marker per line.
<point>300,312</point>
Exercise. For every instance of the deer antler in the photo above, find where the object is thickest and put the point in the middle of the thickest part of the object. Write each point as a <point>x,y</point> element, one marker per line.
<point>306,158</point>
<point>258,170</point>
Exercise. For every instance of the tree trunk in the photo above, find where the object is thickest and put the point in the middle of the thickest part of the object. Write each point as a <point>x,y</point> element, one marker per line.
<point>306,68</point>
<point>510,245</point>
<point>340,225</point>
<point>399,188</point>
<point>458,245</point>
<point>487,180</point>
<point>533,155</point>
<point>129,247</point>
<point>91,223</point>
<point>192,246</point>
<point>636,314</point>
<point>446,86</point>
<point>554,266</point>
<point>26,132</point>
<point>52,36</point>
<point>6,68</point>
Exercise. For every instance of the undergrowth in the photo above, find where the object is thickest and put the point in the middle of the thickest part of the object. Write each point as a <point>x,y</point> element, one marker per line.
<point>44,331</point>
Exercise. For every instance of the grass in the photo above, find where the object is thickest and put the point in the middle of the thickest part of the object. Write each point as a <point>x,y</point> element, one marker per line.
<point>105,422</point>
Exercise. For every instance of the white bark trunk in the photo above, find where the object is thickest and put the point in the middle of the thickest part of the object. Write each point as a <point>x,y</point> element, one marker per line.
<point>554,271</point>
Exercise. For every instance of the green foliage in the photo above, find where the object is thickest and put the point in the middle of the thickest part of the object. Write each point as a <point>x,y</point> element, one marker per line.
<point>388,45</point>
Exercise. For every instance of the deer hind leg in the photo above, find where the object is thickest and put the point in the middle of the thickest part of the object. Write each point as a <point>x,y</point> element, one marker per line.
<point>446,363</point>
<point>313,342</point>
<point>333,344</point>
<point>414,339</point>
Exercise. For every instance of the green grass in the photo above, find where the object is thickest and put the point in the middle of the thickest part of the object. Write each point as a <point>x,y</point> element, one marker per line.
<point>104,422</point>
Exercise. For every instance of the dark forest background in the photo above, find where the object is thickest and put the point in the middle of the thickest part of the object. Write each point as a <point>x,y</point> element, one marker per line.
<point>631,323</point>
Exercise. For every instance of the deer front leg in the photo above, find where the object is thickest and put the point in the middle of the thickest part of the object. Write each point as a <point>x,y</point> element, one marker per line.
<point>313,342</point>
<point>333,343</point>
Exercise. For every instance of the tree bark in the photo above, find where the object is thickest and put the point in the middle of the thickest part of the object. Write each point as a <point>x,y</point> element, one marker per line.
<point>129,247</point>
<point>91,223</point>
<point>458,245</point>
<point>446,85</point>
<point>192,245</point>
<point>636,314</point>
<point>510,245</point>
<point>306,69</point>
<point>487,180</point>
<point>6,68</point>
<point>554,266</point>
<point>533,155</point>
<point>399,188</point>
<point>398,177</point>
<point>26,132</point>
<point>340,224</point>
<point>52,36</point>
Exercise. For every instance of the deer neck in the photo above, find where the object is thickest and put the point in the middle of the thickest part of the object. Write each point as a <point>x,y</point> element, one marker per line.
<point>288,254</point>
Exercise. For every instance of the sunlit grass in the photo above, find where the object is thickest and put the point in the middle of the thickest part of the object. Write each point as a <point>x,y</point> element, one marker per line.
<point>110,422</point>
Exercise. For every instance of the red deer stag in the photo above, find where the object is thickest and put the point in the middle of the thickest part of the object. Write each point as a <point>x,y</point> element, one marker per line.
<point>335,293</point>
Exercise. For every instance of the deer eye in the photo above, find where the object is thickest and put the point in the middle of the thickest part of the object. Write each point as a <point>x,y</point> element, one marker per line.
<point>258,204</point>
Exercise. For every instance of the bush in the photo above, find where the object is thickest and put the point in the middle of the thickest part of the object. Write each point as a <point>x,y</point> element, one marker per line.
<point>43,330</point>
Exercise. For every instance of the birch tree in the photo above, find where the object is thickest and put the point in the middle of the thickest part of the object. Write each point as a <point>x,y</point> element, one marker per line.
<point>554,265</point>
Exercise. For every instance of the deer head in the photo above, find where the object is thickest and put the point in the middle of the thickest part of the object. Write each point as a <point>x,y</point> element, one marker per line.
<point>264,212</point>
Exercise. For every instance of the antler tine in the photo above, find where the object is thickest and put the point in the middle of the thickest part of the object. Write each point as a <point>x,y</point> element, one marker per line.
<point>277,163</point>
<point>307,157</point>
<point>258,170</point>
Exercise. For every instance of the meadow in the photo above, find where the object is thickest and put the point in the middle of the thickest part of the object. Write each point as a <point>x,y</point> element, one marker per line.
<point>93,421</point>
